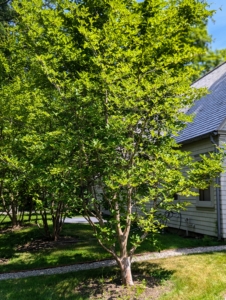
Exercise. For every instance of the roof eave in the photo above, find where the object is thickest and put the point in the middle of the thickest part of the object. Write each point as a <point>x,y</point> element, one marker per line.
<point>203,136</point>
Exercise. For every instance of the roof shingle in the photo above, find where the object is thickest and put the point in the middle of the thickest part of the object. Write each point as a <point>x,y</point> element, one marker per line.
<point>210,111</point>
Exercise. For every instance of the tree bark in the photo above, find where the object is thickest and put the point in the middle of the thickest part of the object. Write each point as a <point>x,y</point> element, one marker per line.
<point>125,266</point>
<point>14,208</point>
<point>45,223</point>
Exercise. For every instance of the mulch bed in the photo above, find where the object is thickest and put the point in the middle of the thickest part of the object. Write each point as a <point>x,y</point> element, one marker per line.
<point>40,244</point>
<point>3,260</point>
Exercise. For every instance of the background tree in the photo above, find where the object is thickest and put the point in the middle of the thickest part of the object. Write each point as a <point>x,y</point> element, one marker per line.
<point>119,73</point>
<point>212,59</point>
<point>7,14</point>
<point>32,174</point>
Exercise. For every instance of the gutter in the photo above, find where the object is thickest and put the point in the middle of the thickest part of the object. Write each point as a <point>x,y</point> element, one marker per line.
<point>218,198</point>
<point>194,139</point>
<point>202,136</point>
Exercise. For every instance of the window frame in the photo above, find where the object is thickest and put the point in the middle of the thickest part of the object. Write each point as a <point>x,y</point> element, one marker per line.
<point>205,203</point>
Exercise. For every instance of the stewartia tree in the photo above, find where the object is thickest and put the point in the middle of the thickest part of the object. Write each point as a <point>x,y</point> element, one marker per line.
<point>35,172</point>
<point>121,71</point>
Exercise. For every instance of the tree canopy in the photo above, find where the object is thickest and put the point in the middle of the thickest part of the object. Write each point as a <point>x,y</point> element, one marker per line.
<point>93,97</point>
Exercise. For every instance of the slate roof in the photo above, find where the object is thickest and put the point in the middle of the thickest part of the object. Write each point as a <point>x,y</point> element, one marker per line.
<point>210,111</point>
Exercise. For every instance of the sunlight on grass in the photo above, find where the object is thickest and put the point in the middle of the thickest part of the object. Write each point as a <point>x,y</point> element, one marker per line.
<point>53,258</point>
<point>197,277</point>
<point>193,277</point>
<point>83,248</point>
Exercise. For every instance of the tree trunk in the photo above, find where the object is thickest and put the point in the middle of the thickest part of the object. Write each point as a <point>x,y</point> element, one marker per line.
<point>45,224</point>
<point>14,209</point>
<point>125,266</point>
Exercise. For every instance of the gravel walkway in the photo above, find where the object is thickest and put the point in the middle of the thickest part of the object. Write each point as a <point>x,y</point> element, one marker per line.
<point>107,263</point>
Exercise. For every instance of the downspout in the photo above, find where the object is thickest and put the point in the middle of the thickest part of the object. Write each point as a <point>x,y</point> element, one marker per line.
<point>217,191</point>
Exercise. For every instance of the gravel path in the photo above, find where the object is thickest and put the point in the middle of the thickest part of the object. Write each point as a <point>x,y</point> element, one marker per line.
<point>107,263</point>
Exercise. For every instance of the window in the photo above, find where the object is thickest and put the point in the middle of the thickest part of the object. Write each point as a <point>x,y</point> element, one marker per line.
<point>205,198</point>
<point>204,195</point>
<point>175,197</point>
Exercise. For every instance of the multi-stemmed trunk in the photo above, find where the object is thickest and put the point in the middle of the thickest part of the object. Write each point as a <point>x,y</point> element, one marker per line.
<point>121,234</point>
<point>123,260</point>
<point>125,267</point>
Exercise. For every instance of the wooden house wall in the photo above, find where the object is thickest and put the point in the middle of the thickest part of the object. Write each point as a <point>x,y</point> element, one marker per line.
<point>197,219</point>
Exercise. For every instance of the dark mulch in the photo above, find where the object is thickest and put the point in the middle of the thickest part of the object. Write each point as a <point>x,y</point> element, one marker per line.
<point>40,244</point>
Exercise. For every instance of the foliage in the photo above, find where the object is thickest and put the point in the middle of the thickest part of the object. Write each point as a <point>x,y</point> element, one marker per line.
<point>212,59</point>
<point>108,82</point>
<point>7,14</point>
<point>32,174</point>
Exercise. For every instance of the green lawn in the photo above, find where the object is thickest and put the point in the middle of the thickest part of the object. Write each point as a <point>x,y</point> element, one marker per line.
<point>193,277</point>
<point>197,277</point>
<point>84,249</point>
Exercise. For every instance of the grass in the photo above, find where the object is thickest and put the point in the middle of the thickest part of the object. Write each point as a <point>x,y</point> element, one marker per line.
<point>197,277</point>
<point>13,247</point>
<point>193,277</point>
<point>84,249</point>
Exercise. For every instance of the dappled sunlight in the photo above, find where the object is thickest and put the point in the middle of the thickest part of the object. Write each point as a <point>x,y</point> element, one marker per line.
<point>27,249</point>
<point>105,283</point>
<point>177,278</point>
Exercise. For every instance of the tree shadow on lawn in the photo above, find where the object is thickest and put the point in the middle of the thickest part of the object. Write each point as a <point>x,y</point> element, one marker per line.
<point>12,239</point>
<point>51,258</point>
<point>27,248</point>
<point>150,281</point>
<point>9,240</point>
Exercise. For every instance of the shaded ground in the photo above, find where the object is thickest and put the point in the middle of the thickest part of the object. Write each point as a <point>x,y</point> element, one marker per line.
<point>150,282</point>
<point>3,260</point>
<point>193,277</point>
<point>27,249</point>
<point>145,287</point>
<point>39,244</point>
<point>150,279</point>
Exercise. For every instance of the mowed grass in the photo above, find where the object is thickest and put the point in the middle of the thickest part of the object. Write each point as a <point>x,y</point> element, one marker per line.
<point>197,277</point>
<point>193,277</point>
<point>84,249</point>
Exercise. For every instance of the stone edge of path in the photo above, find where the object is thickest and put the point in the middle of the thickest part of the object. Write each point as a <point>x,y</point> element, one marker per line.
<point>107,263</point>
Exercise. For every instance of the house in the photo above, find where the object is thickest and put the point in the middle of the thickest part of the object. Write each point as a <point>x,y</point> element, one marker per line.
<point>207,213</point>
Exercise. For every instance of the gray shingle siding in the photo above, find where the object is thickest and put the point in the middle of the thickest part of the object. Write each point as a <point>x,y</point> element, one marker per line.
<point>210,111</point>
